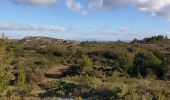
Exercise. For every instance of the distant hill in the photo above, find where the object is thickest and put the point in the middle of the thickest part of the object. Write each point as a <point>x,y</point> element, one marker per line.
<point>44,40</point>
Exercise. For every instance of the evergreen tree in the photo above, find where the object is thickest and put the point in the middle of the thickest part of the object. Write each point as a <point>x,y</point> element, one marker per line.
<point>6,56</point>
<point>21,76</point>
<point>87,65</point>
<point>144,61</point>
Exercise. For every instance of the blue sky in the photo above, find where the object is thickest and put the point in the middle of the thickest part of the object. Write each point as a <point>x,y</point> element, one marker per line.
<point>104,20</point>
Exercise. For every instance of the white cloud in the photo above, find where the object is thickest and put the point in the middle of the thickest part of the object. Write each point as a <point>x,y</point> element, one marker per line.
<point>107,4</point>
<point>126,30</point>
<point>76,6</point>
<point>71,4</point>
<point>5,26</point>
<point>154,7</point>
<point>35,2</point>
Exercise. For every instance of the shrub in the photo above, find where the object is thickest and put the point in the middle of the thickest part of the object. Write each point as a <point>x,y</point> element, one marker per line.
<point>143,61</point>
<point>90,82</point>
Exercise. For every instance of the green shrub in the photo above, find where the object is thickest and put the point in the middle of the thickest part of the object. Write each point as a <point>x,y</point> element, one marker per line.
<point>90,82</point>
<point>143,61</point>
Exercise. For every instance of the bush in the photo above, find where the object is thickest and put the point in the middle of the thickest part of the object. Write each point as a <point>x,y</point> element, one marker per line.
<point>143,61</point>
<point>109,55</point>
<point>90,82</point>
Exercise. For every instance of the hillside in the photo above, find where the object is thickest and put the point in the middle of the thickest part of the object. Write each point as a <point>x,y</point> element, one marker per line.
<point>95,70</point>
<point>44,40</point>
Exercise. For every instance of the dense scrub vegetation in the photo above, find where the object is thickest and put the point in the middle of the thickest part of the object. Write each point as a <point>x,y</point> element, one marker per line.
<point>139,70</point>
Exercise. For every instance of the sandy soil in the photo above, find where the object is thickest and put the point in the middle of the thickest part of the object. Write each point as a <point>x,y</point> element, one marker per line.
<point>54,71</point>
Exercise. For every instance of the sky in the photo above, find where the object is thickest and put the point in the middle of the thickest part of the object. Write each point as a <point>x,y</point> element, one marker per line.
<point>96,20</point>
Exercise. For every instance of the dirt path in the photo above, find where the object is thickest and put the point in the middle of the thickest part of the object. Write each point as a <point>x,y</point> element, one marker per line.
<point>55,73</point>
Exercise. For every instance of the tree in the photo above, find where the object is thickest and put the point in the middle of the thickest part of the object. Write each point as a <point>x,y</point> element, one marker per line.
<point>124,62</point>
<point>159,54</point>
<point>155,38</point>
<point>22,87</point>
<point>6,56</point>
<point>165,70</point>
<point>21,77</point>
<point>82,65</point>
<point>135,41</point>
<point>144,61</point>
<point>86,65</point>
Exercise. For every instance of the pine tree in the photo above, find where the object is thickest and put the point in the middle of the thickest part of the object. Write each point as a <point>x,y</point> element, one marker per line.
<point>21,77</point>
<point>22,88</point>
<point>87,65</point>
<point>6,56</point>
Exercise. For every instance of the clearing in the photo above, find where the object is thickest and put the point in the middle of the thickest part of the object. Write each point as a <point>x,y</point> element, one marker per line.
<point>55,73</point>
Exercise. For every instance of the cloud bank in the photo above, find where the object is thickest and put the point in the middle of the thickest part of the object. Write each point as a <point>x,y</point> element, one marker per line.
<point>153,7</point>
<point>35,2</point>
<point>31,27</point>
